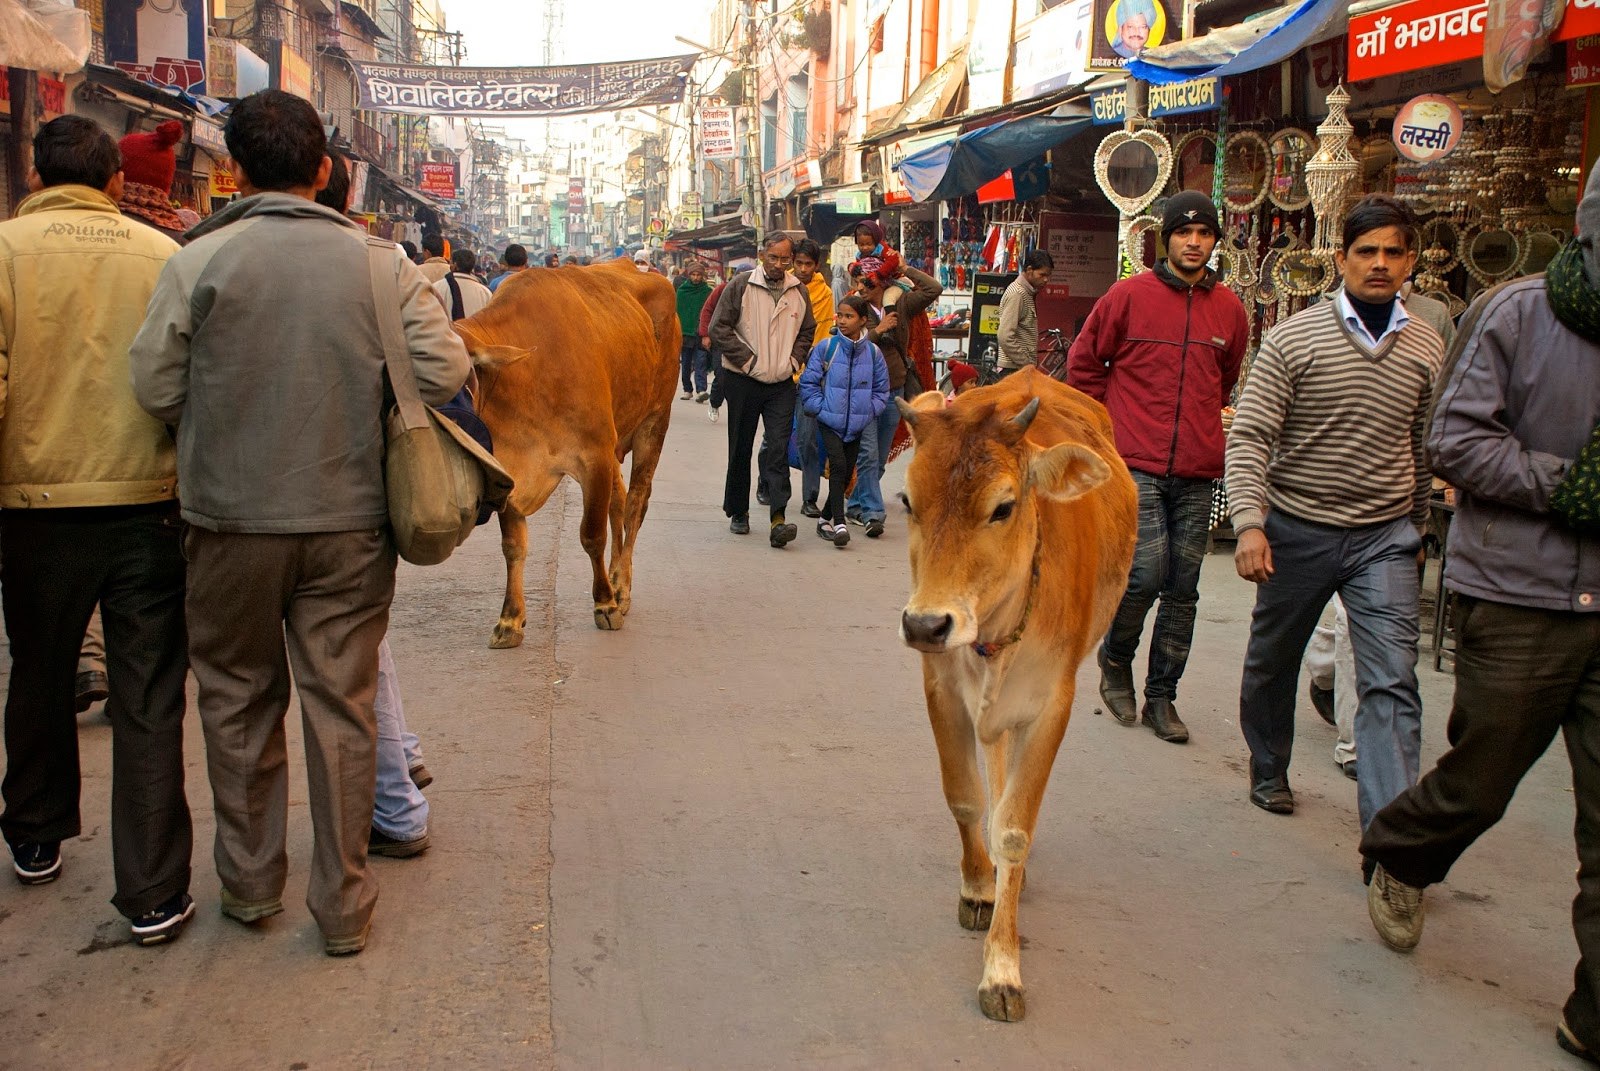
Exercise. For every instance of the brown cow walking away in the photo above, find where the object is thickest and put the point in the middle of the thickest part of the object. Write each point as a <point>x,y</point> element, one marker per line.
<point>577,369</point>
<point>1022,527</point>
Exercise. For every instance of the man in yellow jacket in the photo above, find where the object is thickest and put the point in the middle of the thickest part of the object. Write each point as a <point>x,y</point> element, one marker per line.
<point>89,514</point>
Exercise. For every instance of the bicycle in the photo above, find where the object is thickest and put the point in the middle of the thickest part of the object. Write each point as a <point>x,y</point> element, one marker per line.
<point>1053,359</point>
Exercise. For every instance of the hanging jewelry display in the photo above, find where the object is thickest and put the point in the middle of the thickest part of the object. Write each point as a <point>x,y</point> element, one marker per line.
<point>1132,168</point>
<point>1490,254</point>
<point>1333,173</point>
<point>1246,159</point>
<point>1133,244</point>
<point>1289,151</point>
<point>1303,273</point>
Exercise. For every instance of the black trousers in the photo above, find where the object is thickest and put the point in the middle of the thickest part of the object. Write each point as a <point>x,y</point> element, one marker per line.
<point>1522,674</point>
<point>751,403</point>
<point>55,565</point>
<point>841,468</point>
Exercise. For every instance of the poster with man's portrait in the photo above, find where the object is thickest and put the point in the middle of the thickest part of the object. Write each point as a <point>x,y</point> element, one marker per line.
<point>1125,28</point>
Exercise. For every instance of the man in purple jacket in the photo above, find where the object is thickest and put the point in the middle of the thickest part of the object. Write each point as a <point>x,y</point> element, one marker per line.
<point>1518,406</point>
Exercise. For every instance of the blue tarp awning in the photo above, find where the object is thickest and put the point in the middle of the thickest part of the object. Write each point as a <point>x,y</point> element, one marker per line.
<point>959,167</point>
<point>1238,49</point>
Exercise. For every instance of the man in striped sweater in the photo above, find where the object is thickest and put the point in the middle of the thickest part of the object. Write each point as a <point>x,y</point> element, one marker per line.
<point>1328,488</point>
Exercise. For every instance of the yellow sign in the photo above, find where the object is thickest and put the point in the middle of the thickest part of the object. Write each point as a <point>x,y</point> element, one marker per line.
<point>222,184</point>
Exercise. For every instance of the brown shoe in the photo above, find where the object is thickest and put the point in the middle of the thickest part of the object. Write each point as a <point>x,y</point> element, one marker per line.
<point>1396,910</point>
<point>1116,690</point>
<point>1163,720</point>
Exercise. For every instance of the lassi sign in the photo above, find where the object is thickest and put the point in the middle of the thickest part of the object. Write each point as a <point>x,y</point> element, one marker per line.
<point>1427,128</point>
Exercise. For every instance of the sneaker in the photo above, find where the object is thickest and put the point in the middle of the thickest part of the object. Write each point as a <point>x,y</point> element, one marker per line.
<point>854,518</point>
<point>249,911</point>
<point>36,863</point>
<point>420,776</point>
<point>348,946</point>
<point>703,397</point>
<point>1396,910</point>
<point>810,509</point>
<point>841,535</point>
<point>686,395</point>
<point>740,525</point>
<point>1569,1043</point>
<point>874,528</point>
<point>380,843</point>
<point>713,415</point>
<point>782,533</point>
<point>90,688</point>
<point>165,923</point>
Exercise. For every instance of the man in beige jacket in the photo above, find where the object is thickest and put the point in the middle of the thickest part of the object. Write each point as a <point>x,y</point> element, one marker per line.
<point>88,514</point>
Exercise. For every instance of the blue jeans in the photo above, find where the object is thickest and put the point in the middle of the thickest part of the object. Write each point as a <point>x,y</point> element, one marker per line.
<point>400,811</point>
<point>693,362</point>
<point>867,499</point>
<point>1174,524</point>
<point>1374,571</point>
<point>810,458</point>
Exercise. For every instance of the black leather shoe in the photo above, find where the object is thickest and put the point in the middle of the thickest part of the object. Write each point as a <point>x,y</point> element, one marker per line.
<point>1273,795</point>
<point>740,525</point>
<point>1116,691</point>
<point>810,509</point>
<point>1349,769</point>
<point>1322,702</point>
<point>1164,721</point>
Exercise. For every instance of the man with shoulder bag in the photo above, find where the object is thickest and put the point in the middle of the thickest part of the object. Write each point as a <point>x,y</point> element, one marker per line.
<point>280,440</point>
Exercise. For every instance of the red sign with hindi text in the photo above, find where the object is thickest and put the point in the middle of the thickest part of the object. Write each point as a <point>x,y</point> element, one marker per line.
<point>1423,33</point>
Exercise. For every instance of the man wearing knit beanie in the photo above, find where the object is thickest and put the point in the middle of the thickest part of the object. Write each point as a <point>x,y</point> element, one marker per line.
<point>1162,352</point>
<point>148,167</point>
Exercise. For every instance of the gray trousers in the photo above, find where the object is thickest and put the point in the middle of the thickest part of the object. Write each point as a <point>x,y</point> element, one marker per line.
<point>1374,570</point>
<point>322,600</point>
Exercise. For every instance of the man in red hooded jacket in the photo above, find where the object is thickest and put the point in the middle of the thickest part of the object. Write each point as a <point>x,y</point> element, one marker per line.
<point>1162,352</point>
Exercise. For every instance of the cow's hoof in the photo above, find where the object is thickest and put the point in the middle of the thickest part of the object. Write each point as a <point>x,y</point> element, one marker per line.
<point>976,914</point>
<point>505,637</point>
<point>1002,1002</point>
<point>607,618</point>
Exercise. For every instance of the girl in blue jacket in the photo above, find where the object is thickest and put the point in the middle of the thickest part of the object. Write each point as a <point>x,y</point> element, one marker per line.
<point>846,387</point>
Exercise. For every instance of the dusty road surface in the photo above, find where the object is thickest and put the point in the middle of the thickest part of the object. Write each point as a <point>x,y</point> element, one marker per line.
<point>716,840</point>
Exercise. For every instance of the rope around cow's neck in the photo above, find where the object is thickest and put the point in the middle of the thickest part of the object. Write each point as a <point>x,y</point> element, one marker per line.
<point>989,650</point>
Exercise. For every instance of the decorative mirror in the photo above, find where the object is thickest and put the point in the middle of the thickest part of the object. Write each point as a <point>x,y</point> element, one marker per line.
<point>1142,246</point>
<point>1246,159</point>
<point>1538,250</point>
<point>1303,273</point>
<point>1194,163</point>
<point>1132,168</point>
<point>1290,149</point>
<point>1490,255</point>
<point>1437,246</point>
<point>1437,290</point>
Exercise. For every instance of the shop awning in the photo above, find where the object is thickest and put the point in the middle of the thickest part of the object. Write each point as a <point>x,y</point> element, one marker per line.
<point>1248,46</point>
<point>717,233</point>
<point>977,157</point>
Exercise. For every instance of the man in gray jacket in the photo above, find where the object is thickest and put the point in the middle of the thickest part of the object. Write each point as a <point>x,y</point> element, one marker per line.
<point>763,327</point>
<point>1518,406</point>
<point>261,347</point>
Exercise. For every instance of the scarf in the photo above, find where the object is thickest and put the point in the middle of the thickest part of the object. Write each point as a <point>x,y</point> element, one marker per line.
<point>1572,297</point>
<point>150,205</point>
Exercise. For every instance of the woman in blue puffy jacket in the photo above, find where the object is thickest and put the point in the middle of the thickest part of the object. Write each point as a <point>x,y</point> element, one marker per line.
<point>846,387</point>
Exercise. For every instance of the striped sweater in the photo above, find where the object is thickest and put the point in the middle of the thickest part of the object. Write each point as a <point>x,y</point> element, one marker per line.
<point>1331,430</point>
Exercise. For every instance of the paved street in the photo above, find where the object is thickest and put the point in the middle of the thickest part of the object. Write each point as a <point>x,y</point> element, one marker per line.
<point>716,839</point>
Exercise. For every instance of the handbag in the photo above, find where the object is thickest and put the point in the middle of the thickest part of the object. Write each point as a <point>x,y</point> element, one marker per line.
<point>435,476</point>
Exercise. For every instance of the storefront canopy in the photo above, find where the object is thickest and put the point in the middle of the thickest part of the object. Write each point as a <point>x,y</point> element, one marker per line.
<point>1246,47</point>
<point>978,157</point>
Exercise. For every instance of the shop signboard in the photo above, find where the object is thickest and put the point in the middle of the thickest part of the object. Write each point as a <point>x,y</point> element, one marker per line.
<point>437,179</point>
<point>1053,50</point>
<point>577,203</point>
<point>1398,88</point>
<point>52,95</point>
<point>293,72</point>
<point>222,184</point>
<point>717,139</point>
<point>1176,98</point>
<point>208,135</point>
<point>1583,61</point>
<point>224,59</point>
<point>1422,33</point>
<point>1124,28</point>
<point>894,187</point>
<point>418,90</point>
<point>1427,128</point>
<point>853,202</point>
<point>983,333</point>
<point>163,44</point>
<point>1085,252</point>
<point>1581,19</point>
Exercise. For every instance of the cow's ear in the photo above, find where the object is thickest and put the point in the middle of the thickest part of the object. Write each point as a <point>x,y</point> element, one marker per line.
<point>929,401</point>
<point>1066,471</point>
<point>496,356</point>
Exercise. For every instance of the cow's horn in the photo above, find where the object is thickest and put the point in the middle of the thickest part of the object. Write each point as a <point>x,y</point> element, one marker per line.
<point>907,410</point>
<point>1025,418</point>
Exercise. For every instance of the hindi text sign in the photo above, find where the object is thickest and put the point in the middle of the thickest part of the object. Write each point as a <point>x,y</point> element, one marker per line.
<point>1427,128</point>
<point>415,90</point>
<point>1422,33</point>
<point>717,139</point>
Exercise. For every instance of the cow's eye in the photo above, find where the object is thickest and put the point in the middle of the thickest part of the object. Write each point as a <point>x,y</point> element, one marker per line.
<point>1002,512</point>
<point>906,502</point>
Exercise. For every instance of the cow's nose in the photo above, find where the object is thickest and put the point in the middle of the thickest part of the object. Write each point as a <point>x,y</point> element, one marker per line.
<point>931,630</point>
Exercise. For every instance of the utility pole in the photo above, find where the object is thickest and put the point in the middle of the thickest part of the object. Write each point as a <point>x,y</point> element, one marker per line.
<point>755,185</point>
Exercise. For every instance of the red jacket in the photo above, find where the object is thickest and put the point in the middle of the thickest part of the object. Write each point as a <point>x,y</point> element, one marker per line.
<point>710,307</point>
<point>1163,356</point>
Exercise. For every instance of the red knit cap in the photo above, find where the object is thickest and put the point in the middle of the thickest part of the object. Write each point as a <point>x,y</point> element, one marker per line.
<point>149,159</point>
<point>961,372</point>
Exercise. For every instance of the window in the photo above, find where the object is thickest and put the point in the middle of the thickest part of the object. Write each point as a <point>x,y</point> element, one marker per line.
<point>769,133</point>
<point>799,97</point>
